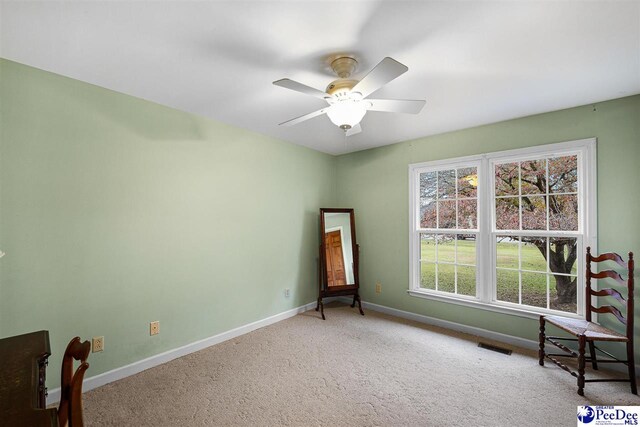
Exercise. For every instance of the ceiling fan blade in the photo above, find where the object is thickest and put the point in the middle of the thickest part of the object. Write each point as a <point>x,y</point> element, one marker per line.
<point>412,106</point>
<point>386,70</point>
<point>299,87</point>
<point>304,117</point>
<point>354,130</point>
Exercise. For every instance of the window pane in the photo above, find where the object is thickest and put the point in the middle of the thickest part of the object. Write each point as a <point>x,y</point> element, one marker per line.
<point>563,293</point>
<point>534,213</point>
<point>466,249</point>
<point>427,275</point>
<point>428,247</point>
<point>506,176</point>
<point>428,214</point>
<point>507,285</point>
<point>507,252</point>
<point>446,277</point>
<point>532,251</point>
<point>466,280</point>
<point>446,248</point>
<point>534,179</point>
<point>507,213</point>
<point>467,182</point>
<point>428,187</point>
<point>467,214</point>
<point>563,212</point>
<point>447,184</point>
<point>563,255</point>
<point>563,174</point>
<point>534,289</point>
<point>447,214</point>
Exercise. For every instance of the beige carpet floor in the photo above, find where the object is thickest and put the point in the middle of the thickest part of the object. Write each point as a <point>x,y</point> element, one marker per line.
<point>349,370</point>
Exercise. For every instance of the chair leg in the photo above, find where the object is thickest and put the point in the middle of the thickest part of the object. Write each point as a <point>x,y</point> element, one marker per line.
<point>592,354</point>
<point>541,337</point>
<point>581,345</point>
<point>631,363</point>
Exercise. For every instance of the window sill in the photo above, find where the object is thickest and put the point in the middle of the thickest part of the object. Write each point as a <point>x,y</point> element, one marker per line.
<point>496,308</point>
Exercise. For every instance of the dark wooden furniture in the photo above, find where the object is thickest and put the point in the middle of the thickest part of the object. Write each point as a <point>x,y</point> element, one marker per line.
<point>587,332</point>
<point>70,408</point>
<point>23,361</point>
<point>339,257</point>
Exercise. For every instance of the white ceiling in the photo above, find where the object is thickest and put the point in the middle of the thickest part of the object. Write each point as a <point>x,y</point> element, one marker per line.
<point>474,62</point>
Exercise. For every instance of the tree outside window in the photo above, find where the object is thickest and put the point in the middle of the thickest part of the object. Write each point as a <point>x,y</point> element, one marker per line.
<point>537,195</point>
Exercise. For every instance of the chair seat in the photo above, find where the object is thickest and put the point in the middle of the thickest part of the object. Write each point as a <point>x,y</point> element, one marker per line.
<point>592,331</point>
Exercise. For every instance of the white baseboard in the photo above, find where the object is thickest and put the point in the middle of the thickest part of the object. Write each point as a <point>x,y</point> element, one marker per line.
<point>471,330</point>
<point>158,359</point>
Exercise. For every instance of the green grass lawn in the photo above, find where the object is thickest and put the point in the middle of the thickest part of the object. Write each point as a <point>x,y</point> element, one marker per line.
<point>534,285</point>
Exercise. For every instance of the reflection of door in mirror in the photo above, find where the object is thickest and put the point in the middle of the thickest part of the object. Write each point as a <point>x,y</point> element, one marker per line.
<point>340,222</point>
<point>335,259</point>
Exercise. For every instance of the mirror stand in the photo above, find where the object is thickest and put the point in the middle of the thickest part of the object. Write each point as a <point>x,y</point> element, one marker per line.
<point>338,257</point>
<point>324,294</point>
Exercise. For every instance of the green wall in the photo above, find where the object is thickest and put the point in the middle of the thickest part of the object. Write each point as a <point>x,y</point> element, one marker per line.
<point>115,212</point>
<point>375,183</point>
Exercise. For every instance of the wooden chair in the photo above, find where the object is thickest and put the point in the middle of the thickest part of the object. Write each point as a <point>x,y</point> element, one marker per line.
<point>70,408</point>
<point>587,332</point>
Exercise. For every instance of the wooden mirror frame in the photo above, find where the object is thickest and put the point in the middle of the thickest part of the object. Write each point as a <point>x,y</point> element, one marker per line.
<point>323,283</point>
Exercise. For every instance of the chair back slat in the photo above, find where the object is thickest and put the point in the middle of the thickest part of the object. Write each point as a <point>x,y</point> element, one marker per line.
<point>610,309</point>
<point>610,274</point>
<point>609,292</point>
<point>626,319</point>
<point>610,256</point>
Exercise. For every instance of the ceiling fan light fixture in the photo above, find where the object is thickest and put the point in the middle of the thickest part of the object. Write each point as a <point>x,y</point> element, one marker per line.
<point>346,114</point>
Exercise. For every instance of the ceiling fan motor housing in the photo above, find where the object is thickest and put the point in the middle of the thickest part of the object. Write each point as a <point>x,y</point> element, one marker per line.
<point>341,87</point>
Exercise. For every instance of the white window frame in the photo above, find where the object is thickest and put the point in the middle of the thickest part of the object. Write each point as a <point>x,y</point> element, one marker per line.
<point>585,149</point>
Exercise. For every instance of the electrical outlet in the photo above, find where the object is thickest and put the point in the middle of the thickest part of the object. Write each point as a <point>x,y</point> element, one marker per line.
<point>378,287</point>
<point>287,293</point>
<point>154,328</point>
<point>98,344</point>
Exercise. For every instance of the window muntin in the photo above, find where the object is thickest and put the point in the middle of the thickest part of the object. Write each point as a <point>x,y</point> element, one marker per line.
<point>545,205</point>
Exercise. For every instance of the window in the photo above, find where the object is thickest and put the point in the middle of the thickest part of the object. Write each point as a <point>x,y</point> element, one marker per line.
<point>505,230</point>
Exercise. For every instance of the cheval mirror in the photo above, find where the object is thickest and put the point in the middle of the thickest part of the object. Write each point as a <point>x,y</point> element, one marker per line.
<point>338,272</point>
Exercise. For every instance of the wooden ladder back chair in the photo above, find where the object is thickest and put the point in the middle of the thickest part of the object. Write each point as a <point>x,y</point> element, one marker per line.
<point>587,332</point>
<point>70,408</point>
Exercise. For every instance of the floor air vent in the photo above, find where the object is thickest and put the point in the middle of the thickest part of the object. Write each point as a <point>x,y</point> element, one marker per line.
<point>494,348</point>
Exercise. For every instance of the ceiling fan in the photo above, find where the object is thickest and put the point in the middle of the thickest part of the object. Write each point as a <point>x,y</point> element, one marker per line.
<point>347,98</point>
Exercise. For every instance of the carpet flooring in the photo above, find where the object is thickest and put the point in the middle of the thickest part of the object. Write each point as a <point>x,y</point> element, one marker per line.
<point>349,370</point>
